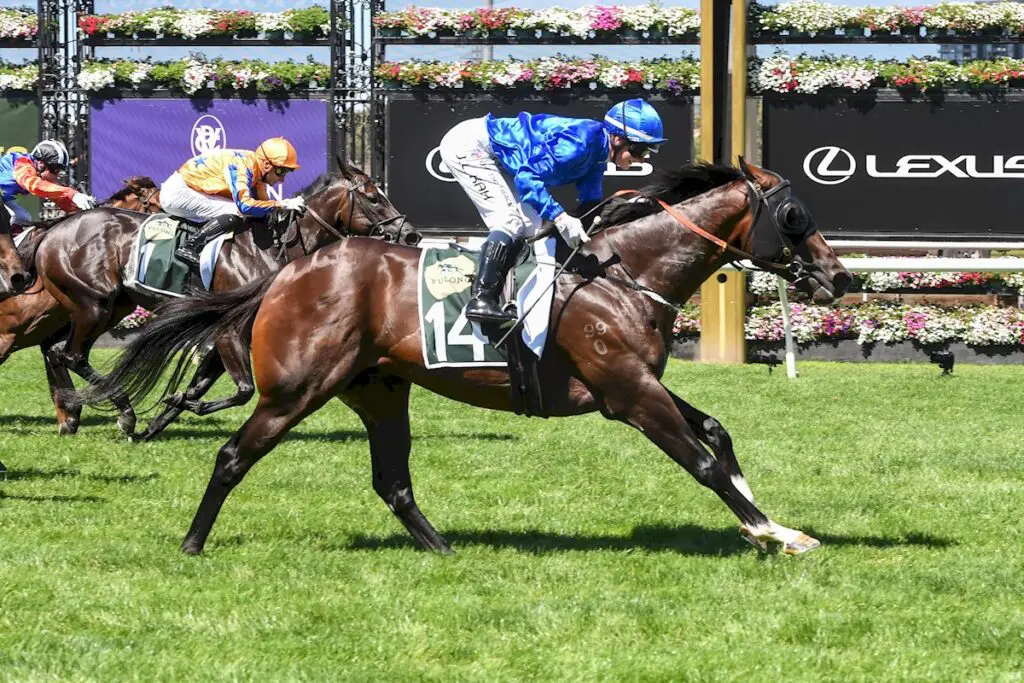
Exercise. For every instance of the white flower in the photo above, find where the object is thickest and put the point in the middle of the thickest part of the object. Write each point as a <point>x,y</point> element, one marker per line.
<point>195,23</point>
<point>96,77</point>
<point>196,76</point>
<point>140,73</point>
<point>613,77</point>
<point>271,21</point>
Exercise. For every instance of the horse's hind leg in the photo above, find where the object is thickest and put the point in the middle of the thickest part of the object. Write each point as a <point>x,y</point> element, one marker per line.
<point>69,413</point>
<point>89,321</point>
<point>710,431</point>
<point>650,407</point>
<point>382,402</point>
<point>271,420</point>
<point>210,369</point>
<point>233,355</point>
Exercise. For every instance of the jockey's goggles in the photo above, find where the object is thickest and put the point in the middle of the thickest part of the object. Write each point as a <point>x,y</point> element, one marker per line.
<point>282,170</point>
<point>642,150</point>
<point>56,169</point>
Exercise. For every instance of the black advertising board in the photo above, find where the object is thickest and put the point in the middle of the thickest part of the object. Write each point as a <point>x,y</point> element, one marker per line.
<point>420,186</point>
<point>877,167</point>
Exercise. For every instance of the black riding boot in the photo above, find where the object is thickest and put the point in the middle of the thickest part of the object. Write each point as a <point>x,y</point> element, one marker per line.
<point>495,258</point>
<point>194,243</point>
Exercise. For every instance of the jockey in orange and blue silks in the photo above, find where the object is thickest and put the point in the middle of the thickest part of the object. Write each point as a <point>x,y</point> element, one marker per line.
<point>36,173</point>
<point>538,151</point>
<point>223,187</point>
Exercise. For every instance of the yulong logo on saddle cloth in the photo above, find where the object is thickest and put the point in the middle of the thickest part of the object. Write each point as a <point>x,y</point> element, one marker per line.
<point>445,280</point>
<point>154,268</point>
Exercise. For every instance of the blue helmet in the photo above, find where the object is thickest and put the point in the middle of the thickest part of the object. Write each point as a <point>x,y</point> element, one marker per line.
<point>636,121</point>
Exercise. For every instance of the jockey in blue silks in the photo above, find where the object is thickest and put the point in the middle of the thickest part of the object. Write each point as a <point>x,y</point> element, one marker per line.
<point>538,151</point>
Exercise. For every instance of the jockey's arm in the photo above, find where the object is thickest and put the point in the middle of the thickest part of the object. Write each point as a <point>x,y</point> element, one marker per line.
<point>591,192</point>
<point>28,178</point>
<point>241,182</point>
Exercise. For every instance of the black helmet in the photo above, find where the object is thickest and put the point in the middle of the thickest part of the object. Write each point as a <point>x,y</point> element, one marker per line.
<point>52,153</point>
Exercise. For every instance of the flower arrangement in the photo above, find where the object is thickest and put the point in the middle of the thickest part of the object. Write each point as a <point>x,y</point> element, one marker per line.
<point>136,319</point>
<point>948,18</point>
<point>197,73</point>
<point>18,24</point>
<point>588,22</point>
<point>18,77</point>
<point>764,284</point>
<point>890,323</point>
<point>784,73</point>
<point>196,23</point>
<point>673,76</point>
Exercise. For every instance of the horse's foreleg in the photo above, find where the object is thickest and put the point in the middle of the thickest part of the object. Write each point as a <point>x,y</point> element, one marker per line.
<point>382,402</point>
<point>232,355</point>
<point>711,432</point>
<point>210,369</point>
<point>651,409</point>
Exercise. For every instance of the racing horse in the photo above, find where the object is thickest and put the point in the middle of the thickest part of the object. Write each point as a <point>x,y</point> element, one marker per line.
<point>345,323</point>
<point>34,318</point>
<point>14,279</point>
<point>82,260</point>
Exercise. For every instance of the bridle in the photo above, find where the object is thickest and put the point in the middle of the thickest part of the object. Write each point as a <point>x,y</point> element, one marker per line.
<point>341,232</point>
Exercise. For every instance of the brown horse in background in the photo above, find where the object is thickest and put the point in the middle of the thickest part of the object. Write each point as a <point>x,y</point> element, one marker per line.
<point>34,318</point>
<point>82,259</point>
<point>345,323</point>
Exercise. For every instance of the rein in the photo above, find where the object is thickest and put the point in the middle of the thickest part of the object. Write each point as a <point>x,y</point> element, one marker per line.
<point>341,233</point>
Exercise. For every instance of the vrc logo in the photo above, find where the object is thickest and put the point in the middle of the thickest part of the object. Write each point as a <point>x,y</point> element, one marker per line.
<point>829,165</point>
<point>208,134</point>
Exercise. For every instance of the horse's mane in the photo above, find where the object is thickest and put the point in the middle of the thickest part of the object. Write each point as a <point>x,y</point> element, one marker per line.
<point>324,181</point>
<point>671,187</point>
<point>139,182</point>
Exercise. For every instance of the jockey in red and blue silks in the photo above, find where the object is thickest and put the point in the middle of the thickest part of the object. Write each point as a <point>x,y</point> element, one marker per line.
<point>36,173</point>
<point>538,151</point>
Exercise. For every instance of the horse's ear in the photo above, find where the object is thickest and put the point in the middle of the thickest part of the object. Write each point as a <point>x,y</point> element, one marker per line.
<point>344,167</point>
<point>747,170</point>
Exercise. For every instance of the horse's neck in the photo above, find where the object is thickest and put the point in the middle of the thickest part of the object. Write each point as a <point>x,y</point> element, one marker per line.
<point>670,259</point>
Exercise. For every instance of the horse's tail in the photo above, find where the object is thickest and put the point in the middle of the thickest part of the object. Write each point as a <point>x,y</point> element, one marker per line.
<point>191,324</point>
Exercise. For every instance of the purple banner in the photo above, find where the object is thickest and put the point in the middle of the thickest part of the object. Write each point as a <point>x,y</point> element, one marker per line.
<point>154,137</point>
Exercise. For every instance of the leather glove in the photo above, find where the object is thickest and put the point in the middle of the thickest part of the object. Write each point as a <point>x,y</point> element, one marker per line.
<point>293,204</point>
<point>571,230</point>
<point>83,201</point>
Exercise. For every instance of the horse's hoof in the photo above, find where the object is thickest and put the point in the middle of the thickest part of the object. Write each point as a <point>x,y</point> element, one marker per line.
<point>67,428</point>
<point>800,545</point>
<point>191,549</point>
<point>753,540</point>
<point>126,423</point>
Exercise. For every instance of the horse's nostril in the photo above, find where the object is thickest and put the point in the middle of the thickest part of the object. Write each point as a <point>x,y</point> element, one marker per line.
<point>412,238</point>
<point>19,281</point>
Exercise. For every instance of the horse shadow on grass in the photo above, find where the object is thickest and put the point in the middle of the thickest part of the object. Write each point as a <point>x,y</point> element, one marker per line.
<point>50,499</point>
<point>63,473</point>
<point>685,539</point>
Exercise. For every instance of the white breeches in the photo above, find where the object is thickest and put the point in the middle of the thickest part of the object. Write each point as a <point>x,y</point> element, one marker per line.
<point>178,199</point>
<point>19,214</point>
<point>466,151</point>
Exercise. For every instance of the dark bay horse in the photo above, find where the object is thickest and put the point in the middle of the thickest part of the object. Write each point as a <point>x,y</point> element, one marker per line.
<point>81,262</point>
<point>344,323</point>
<point>34,318</point>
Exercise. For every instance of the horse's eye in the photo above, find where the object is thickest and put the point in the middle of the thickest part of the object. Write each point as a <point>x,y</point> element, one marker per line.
<point>374,198</point>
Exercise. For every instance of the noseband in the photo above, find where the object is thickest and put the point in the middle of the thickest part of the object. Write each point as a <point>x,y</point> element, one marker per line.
<point>342,232</point>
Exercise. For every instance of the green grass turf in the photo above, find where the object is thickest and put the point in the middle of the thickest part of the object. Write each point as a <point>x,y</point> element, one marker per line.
<point>583,553</point>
